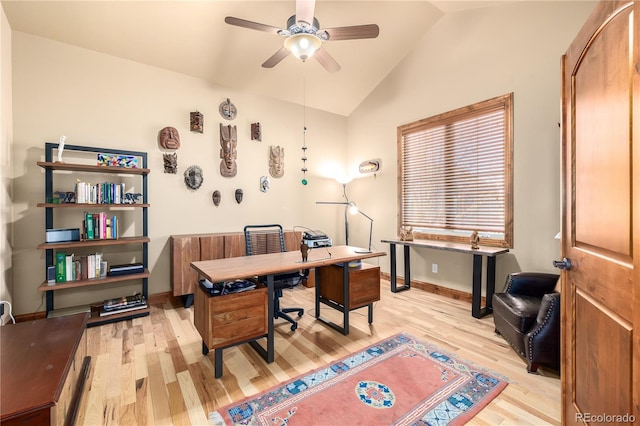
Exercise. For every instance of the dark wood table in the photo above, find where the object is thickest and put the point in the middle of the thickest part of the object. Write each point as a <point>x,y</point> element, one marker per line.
<point>44,368</point>
<point>490,253</point>
<point>232,268</point>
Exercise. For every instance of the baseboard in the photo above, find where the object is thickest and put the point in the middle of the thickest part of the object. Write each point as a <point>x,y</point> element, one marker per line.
<point>168,297</point>
<point>435,289</point>
<point>153,299</point>
<point>162,298</point>
<point>30,317</point>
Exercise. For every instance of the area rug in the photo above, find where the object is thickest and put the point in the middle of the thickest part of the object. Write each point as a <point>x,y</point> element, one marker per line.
<point>398,381</point>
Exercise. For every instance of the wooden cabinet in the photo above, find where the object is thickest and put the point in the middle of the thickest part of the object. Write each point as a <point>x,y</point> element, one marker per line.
<point>85,162</point>
<point>189,248</point>
<point>364,285</point>
<point>44,369</point>
<point>194,247</point>
<point>226,320</point>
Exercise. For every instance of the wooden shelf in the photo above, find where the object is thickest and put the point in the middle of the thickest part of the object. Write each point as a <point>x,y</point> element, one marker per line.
<point>92,169</point>
<point>93,243</point>
<point>90,206</point>
<point>45,286</point>
<point>138,209</point>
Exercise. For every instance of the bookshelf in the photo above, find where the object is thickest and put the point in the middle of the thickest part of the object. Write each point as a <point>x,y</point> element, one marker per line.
<point>76,209</point>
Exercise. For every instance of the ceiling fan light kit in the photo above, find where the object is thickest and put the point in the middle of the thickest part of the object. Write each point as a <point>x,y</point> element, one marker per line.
<point>304,37</point>
<point>302,45</point>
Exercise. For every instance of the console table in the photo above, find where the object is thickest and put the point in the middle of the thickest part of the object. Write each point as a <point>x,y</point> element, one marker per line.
<point>490,253</point>
<point>44,368</point>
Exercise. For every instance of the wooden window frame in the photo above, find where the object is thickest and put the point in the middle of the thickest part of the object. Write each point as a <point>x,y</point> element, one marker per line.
<point>445,233</point>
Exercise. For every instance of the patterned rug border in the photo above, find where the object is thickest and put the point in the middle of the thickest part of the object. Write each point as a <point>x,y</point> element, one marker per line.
<point>399,339</point>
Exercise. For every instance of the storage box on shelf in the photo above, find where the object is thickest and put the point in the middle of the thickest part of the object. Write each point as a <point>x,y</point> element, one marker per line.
<point>101,203</point>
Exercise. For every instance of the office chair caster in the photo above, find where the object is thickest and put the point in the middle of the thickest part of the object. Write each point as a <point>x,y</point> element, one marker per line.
<point>294,326</point>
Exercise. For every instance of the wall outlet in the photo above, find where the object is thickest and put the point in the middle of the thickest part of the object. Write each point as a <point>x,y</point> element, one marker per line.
<point>434,268</point>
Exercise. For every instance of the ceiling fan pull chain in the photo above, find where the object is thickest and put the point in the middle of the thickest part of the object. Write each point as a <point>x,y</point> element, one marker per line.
<point>304,130</point>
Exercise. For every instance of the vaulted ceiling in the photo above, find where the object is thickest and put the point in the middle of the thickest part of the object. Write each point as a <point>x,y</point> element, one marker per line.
<point>190,37</point>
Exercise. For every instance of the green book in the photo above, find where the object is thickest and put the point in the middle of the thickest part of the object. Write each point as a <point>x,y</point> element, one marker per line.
<point>88,221</point>
<point>61,267</point>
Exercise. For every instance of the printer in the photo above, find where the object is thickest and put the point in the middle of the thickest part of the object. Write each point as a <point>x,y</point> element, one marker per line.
<point>316,240</point>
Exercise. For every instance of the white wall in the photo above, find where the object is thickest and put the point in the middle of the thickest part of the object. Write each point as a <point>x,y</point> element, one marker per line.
<point>6,287</point>
<point>466,58</point>
<point>100,100</point>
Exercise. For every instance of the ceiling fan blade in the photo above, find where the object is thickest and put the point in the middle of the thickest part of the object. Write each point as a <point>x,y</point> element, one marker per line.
<point>326,60</point>
<point>276,58</point>
<point>354,32</point>
<point>251,25</point>
<point>305,10</point>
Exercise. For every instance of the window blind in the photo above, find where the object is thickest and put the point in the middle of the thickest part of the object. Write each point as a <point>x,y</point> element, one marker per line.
<point>454,177</point>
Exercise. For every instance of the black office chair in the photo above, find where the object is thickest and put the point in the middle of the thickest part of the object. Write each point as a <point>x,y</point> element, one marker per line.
<point>263,239</point>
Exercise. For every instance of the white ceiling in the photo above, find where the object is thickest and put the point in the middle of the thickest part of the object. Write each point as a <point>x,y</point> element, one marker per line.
<point>190,37</point>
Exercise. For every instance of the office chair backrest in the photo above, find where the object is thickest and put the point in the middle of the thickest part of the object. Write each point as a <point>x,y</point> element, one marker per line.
<point>263,239</point>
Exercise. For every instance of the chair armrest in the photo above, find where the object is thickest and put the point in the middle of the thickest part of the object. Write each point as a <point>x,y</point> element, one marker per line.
<point>542,342</point>
<point>535,284</point>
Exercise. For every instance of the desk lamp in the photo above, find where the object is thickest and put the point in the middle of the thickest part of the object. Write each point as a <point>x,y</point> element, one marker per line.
<point>352,208</point>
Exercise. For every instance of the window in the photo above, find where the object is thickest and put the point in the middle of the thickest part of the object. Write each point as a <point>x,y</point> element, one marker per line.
<point>455,174</point>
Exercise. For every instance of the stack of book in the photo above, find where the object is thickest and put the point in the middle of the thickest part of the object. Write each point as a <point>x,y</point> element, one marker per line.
<point>126,269</point>
<point>123,304</point>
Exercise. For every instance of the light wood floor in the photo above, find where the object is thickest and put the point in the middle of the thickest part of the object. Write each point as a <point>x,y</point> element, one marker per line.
<point>151,370</point>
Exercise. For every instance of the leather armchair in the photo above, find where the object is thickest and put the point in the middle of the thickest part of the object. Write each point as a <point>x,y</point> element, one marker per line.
<point>527,315</point>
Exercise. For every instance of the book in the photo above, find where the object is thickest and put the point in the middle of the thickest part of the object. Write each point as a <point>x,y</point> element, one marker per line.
<point>124,302</point>
<point>98,260</point>
<point>125,269</point>
<point>104,313</point>
<point>61,267</point>
<point>114,226</point>
<point>89,226</point>
<point>77,270</point>
<point>68,268</point>
<point>91,266</point>
<point>84,267</point>
<point>103,225</point>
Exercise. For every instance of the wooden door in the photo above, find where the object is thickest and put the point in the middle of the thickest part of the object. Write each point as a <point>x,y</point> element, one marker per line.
<point>601,219</point>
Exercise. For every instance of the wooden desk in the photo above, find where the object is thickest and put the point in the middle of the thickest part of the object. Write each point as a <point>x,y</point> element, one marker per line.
<point>268,265</point>
<point>490,253</point>
<point>44,368</point>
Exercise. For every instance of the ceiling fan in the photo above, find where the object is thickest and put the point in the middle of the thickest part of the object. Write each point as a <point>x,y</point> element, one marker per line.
<point>304,37</point>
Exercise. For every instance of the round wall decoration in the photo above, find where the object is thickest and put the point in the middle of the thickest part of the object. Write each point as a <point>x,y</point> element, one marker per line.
<point>193,177</point>
<point>228,110</point>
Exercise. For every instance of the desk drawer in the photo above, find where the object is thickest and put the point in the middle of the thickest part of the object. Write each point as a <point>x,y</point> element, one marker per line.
<point>364,284</point>
<point>225,320</point>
